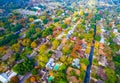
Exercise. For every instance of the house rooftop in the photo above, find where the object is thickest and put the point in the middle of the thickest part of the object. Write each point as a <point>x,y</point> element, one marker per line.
<point>50,63</point>
<point>5,77</point>
<point>76,62</point>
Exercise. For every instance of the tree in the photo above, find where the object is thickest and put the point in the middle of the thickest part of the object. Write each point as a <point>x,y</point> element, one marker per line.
<point>116,60</point>
<point>60,77</point>
<point>17,27</point>
<point>24,67</point>
<point>42,49</point>
<point>111,77</point>
<point>33,44</point>
<point>32,79</point>
<point>27,80</point>
<point>84,61</point>
<point>6,39</point>
<point>47,32</point>
<point>56,20</point>
<point>64,26</point>
<point>62,67</point>
<point>66,49</point>
<point>97,37</point>
<point>45,21</point>
<point>32,25</point>
<point>59,12</point>
<point>13,42</point>
<point>81,13</point>
<point>67,21</point>
<point>34,71</point>
<point>83,66</point>
<point>55,44</point>
<point>62,58</point>
<point>2,50</point>
<point>31,19</point>
<point>69,60</point>
<point>15,47</point>
<point>14,79</point>
<point>43,59</point>
<point>26,42</point>
<point>17,56</point>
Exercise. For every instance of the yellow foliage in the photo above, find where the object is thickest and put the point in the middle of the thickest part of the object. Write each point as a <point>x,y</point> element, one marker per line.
<point>15,47</point>
<point>97,45</point>
<point>87,51</point>
<point>83,66</point>
<point>32,25</point>
<point>55,44</point>
<point>98,30</point>
<point>3,49</point>
<point>67,21</point>
<point>31,19</point>
<point>57,24</point>
<point>81,13</point>
<point>42,48</point>
<point>26,42</point>
<point>42,17</point>
<point>75,14</point>
<point>63,58</point>
<point>33,44</point>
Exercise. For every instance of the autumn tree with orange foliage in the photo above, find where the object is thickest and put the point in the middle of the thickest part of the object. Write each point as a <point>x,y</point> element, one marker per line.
<point>14,79</point>
<point>77,48</point>
<point>32,79</point>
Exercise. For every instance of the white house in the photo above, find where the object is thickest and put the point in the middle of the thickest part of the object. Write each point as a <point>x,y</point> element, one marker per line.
<point>5,77</point>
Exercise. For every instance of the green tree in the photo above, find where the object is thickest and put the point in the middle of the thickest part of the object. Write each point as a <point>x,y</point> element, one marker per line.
<point>17,56</point>
<point>56,20</point>
<point>111,77</point>
<point>47,32</point>
<point>97,37</point>
<point>17,27</point>
<point>45,21</point>
<point>66,49</point>
<point>26,66</point>
<point>64,26</point>
<point>84,61</point>
<point>34,71</point>
<point>62,67</point>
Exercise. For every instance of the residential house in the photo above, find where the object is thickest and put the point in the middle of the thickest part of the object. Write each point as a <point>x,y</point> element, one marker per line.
<point>8,54</point>
<point>84,47</point>
<point>100,81</point>
<point>69,69</point>
<point>60,47</point>
<point>50,63</point>
<point>117,40</point>
<point>5,77</point>
<point>102,61</point>
<point>44,74</point>
<point>73,79</point>
<point>34,53</point>
<point>76,63</point>
<point>57,54</point>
